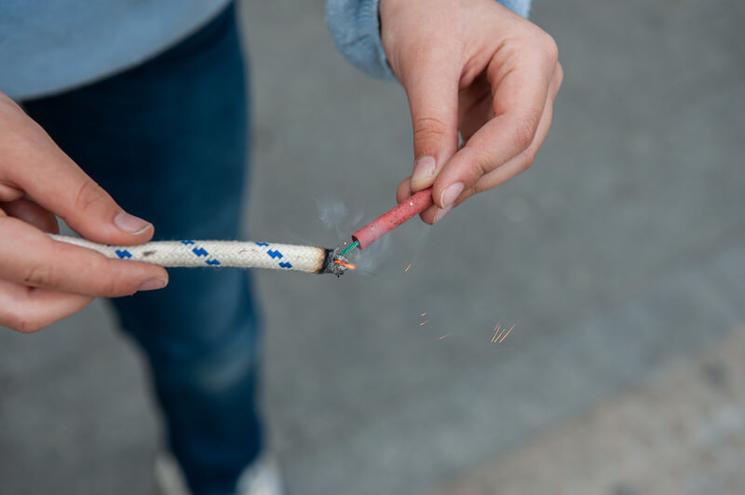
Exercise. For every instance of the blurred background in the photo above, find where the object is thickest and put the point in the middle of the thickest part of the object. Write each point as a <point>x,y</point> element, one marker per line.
<point>618,260</point>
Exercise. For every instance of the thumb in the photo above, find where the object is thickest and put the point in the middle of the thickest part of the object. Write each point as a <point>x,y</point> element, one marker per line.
<point>62,187</point>
<point>433,101</point>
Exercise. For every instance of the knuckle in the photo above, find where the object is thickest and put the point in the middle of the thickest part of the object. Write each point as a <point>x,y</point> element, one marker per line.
<point>25,138</point>
<point>39,275</point>
<point>111,287</point>
<point>550,48</point>
<point>482,186</point>
<point>121,288</point>
<point>528,159</point>
<point>116,283</point>
<point>88,194</point>
<point>481,163</point>
<point>481,167</point>
<point>524,131</point>
<point>559,75</point>
<point>429,128</point>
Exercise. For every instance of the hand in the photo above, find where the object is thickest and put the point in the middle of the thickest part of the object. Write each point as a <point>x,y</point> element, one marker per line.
<point>41,280</point>
<point>476,67</point>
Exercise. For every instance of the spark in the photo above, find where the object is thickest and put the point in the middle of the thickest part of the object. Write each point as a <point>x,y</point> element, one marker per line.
<point>408,267</point>
<point>504,337</point>
<point>501,334</point>
<point>497,334</point>
<point>346,264</point>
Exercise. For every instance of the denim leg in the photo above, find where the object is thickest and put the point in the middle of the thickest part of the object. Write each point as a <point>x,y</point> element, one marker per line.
<point>169,140</point>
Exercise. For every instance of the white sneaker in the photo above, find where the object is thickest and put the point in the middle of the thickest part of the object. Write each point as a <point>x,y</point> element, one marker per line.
<point>168,476</point>
<point>260,478</point>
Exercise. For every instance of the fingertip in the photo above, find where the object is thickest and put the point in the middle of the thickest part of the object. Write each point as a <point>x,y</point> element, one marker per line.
<point>457,176</point>
<point>152,284</point>
<point>442,182</point>
<point>467,193</point>
<point>134,226</point>
<point>425,171</point>
<point>440,214</point>
<point>154,278</point>
<point>118,230</point>
<point>447,195</point>
<point>403,192</point>
<point>166,277</point>
<point>428,216</point>
<point>147,235</point>
<point>138,277</point>
<point>124,230</point>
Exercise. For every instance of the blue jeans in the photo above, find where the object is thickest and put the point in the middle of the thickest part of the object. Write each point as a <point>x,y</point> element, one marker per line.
<point>169,140</point>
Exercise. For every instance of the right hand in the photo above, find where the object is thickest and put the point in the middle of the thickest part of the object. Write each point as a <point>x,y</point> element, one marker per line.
<point>41,280</point>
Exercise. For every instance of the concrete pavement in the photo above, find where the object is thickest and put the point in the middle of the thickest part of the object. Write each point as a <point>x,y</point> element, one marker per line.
<point>621,251</point>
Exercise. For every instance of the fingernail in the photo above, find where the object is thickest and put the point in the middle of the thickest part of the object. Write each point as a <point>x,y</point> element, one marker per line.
<point>450,194</point>
<point>441,212</point>
<point>424,170</point>
<point>152,284</point>
<point>130,223</point>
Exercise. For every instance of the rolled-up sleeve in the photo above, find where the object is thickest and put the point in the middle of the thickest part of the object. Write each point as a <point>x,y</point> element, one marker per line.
<point>355,27</point>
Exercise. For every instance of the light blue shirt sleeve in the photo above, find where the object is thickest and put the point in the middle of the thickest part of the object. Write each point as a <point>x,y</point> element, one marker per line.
<point>355,27</point>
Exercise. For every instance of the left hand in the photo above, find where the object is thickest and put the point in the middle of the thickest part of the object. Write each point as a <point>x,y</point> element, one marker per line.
<point>474,67</point>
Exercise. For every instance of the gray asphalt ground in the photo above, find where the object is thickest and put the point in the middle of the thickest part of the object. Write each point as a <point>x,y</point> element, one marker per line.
<point>619,256</point>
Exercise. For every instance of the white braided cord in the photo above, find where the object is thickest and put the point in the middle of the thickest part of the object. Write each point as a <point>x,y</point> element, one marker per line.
<point>215,254</point>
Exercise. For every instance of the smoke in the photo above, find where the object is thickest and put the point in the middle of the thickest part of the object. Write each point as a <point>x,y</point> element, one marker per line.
<point>372,257</point>
<point>336,217</point>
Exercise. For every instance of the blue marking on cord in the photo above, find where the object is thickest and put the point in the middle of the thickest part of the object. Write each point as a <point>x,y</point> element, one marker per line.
<point>200,252</point>
<point>123,254</point>
<point>276,254</point>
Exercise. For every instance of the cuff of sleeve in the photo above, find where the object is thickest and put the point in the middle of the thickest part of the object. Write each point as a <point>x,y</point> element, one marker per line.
<point>520,7</point>
<point>355,27</point>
